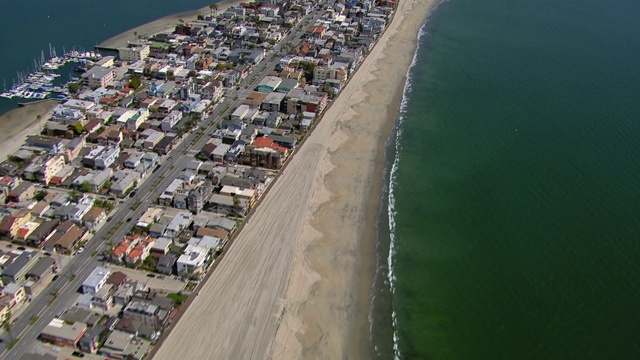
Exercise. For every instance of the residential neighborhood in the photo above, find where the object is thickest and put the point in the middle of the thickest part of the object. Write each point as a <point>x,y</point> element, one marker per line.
<point>156,159</point>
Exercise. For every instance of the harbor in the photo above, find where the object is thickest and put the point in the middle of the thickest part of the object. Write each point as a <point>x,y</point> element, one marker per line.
<point>46,80</point>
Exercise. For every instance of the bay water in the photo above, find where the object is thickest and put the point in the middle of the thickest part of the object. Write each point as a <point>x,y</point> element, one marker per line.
<point>29,27</point>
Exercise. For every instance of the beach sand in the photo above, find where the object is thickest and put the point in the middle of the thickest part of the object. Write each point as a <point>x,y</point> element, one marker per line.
<point>165,24</point>
<point>296,282</point>
<point>16,124</point>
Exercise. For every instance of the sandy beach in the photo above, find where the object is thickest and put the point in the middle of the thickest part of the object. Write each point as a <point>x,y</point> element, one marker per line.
<point>296,282</point>
<point>165,24</point>
<point>18,123</point>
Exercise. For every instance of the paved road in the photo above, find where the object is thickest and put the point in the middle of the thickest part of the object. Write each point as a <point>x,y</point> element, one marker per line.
<point>67,286</point>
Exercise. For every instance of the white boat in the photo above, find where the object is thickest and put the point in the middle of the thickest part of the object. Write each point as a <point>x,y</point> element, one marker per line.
<point>7,95</point>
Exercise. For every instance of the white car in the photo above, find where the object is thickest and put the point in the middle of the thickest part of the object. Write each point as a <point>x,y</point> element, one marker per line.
<point>80,250</point>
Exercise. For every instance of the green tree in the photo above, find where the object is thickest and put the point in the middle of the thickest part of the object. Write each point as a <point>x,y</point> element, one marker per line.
<point>78,128</point>
<point>74,195</point>
<point>40,195</point>
<point>85,186</point>
<point>73,87</point>
<point>135,83</point>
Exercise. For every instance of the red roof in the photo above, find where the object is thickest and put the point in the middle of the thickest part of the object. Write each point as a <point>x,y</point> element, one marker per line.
<point>121,248</point>
<point>55,180</point>
<point>22,233</point>
<point>266,142</point>
<point>136,252</point>
<point>6,180</point>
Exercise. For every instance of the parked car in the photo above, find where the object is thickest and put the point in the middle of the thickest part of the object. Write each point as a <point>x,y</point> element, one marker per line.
<point>80,250</point>
<point>77,354</point>
<point>151,275</point>
<point>22,248</point>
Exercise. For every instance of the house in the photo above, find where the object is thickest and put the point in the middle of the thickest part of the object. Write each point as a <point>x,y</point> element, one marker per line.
<point>152,139</point>
<point>240,112</point>
<point>178,224</point>
<point>17,271</point>
<point>199,196</point>
<point>63,334</point>
<point>91,339</point>
<point>149,314</point>
<point>50,144</point>
<point>25,231</point>
<point>13,295</point>
<point>93,217</point>
<point>207,242</point>
<point>11,224</point>
<point>122,345</point>
<point>161,247</point>
<point>125,183</point>
<point>268,84</point>
<point>300,100</point>
<point>101,157</point>
<point>273,102</point>
<point>166,264</point>
<point>24,191</point>
<point>228,205</point>
<point>170,120</point>
<point>43,268</point>
<point>96,280</point>
<point>139,252</point>
<point>103,298</point>
<point>265,153</point>
<point>42,233</point>
<point>125,292</point>
<point>7,183</point>
<point>192,260</point>
<point>166,199</point>
<point>223,223</point>
<point>284,141</point>
<point>66,241</point>
<point>164,146</point>
<point>123,248</point>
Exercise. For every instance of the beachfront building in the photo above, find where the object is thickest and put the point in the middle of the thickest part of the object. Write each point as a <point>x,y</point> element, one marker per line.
<point>134,52</point>
<point>192,260</point>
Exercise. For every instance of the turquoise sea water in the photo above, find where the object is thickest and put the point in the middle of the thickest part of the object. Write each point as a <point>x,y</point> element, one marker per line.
<point>29,27</point>
<point>516,191</point>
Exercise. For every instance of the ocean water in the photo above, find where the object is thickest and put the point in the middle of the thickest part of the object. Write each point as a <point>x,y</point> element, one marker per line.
<point>514,191</point>
<point>30,26</point>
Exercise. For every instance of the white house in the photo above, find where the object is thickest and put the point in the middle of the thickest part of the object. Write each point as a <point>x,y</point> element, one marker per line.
<point>192,260</point>
<point>96,280</point>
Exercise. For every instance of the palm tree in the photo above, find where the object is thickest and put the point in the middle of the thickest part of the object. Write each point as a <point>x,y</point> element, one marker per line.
<point>213,7</point>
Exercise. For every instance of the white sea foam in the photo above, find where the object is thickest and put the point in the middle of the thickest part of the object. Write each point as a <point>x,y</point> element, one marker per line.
<point>392,184</point>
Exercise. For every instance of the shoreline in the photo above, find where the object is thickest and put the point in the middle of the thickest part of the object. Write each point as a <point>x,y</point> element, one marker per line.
<point>164,24</point>
<point>327,247</point>
<point>17,124</point>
